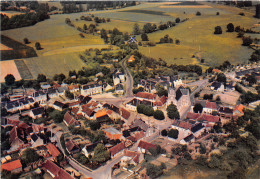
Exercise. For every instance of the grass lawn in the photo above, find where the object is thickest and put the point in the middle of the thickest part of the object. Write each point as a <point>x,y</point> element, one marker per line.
<point>54,64</point>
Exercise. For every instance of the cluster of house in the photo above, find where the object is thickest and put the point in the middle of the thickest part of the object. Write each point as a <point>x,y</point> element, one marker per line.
<point>197,123</point>
<point>119,80</point>
<point>149,85</point>
<point>179,96</point>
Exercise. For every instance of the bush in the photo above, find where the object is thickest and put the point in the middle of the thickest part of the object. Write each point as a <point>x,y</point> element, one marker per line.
<point>173,133</point>
<point>218,30</point>
<point>198,13</point>
<point>158,114</point>
<point>177,20</point>
<point>241,14</point>
<point>164,132</point>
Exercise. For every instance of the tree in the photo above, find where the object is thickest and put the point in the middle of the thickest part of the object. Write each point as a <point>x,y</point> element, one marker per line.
<point>29,155</point>
<point>144,37</point>
<point>247,41</point>
<point>177,41</point>
<point>9,79</point>
<point>140,108</point>
<point>94,125</point>
<point>173,112</point>
<point>198,108</point>
<point>218,30</point>
<point>158,114</point>
<point>251,79</point>
<point>69,95</point>
<point>173,133</point>
<point>198,13</point>
<point>164,132</point>
<point>177,20</point>
<point>221,78</point>
<point>26,41</point>
<point>57,116</point>
<point>217,13</point>
<point>154,171</point>
<point>41,78</point>
<point>202,149</point>
<point>38,46</point>
<point>148,110</point>
<point>85,27</point>
<point>101,154</point>
<point>136,29</point>
<point>230,27</point>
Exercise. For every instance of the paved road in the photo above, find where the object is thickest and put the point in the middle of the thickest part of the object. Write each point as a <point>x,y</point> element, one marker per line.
<point>129,79</point>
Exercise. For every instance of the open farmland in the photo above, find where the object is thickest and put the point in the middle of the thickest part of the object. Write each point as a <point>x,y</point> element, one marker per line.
<point>54,64</point>
<point>60,41</point>
<point>8,67</point>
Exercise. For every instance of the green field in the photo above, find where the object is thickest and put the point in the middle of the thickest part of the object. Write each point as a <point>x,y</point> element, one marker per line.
<point>60,41</point>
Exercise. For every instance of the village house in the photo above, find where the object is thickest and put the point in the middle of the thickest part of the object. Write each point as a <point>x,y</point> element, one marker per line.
<point>72,147</point>
<point>117,149</point>
<point>14,166</point>
<point>39,96</point>
<point>84,99</point>
<point>225,112</point>
<point>89,149</point>
<point>88,113</point>
<point>55,171</point>
<point>208,107</point>
<point>73,88</point>
<point>119,89</point>
<point>131,158</point>
<point>36,112</point>
<point>217,86</point>
<point>69,120</point>
<point>140,123</point>
<point>239,110</point>
<point>118,77</point>
<point>144,147</point>
<point>54,152</point>
<point>58,105</point>
<point>124,113</point>
<point>61,90</point>
<point>36,140</point>
<point>179,97</point>
<point>15,140</point>
<point>91,89</point>
<point>184,127</point>
<point>188,140</point>
<point>112,133</point>
<point>176,81</point>
<point>52,93</point>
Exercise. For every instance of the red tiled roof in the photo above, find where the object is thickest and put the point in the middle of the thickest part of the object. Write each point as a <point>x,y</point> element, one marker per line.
<point>211,105</point>
<point>53,150</point>
<point>11,165</point>
<point>73,104</point>
<point>146,145</point>
<point>71,87</point>
<point>145,95</point>
<point>100,113</point>
<point>124,113</point>
<point>191,115</point>
<point>70,145</point>
<point>70,120</point>
<point>161,101</point>
<point>87,110</point>
<point>240,108</point>
<point>23,125</point>
<point>75,110</point>
<point>109,112</point>
<point>117,148</point>
<point>133,155</point>
<point>185,125</point>
<point>56,85</point>
<point>56,171</point>
<point>13,122</point>
<point>209,118</point>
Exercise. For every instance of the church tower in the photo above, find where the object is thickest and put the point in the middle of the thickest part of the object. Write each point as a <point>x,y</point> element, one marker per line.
<point>171,96</point>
